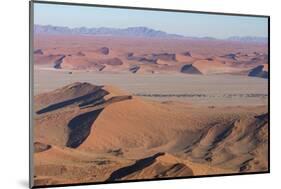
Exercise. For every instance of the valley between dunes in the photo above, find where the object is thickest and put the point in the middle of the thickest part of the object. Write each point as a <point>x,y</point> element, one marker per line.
<point>91,133</point>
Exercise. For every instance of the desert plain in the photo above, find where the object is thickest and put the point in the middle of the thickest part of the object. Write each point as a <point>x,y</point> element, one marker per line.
<point>110,108</point>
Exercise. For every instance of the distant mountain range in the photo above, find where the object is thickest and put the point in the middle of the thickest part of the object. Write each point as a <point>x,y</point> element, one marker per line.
<point>248,39</point>
<point>130,31</point>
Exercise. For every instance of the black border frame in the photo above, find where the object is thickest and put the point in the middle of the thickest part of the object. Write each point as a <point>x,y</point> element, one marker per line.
<point>31,25</point>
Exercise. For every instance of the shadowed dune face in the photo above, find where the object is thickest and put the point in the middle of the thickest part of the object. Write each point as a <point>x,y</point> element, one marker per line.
<point>230,56</point>
<point>151,167</point>
<point>68,94</point>
<point>80,127</point>
<point>112,135</point>
<point>186,53</point>
<point>134,68</point>
<point>38,51</point>
<point>93,97</point>
<point>189,69</point>
<point>238,143</point>
<point>104,50</point>
<point>140,164</point>
<point>52,61</point>
<point>259,71</point>
<point>74,109</point>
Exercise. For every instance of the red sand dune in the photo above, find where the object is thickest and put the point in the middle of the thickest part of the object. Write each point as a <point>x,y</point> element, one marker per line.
<point>106,54</point>
<point>86,125</point>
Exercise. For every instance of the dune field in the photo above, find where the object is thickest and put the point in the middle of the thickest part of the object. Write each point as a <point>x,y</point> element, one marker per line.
<point>106,109</point>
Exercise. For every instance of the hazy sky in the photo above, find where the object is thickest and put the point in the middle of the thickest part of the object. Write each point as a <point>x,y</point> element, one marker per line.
<point>188,24</point>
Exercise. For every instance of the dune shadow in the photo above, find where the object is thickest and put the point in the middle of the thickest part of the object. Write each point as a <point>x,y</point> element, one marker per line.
<point>57,63</point>
<point>80,128</point>
<point>258,72</point>
<point>91,97</point>
<point>138,165</point>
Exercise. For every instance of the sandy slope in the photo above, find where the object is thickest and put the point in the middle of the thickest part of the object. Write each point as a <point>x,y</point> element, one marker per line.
<point>88,133</point>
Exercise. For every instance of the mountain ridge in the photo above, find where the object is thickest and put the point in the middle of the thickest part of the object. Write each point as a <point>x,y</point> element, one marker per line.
<point>139,31</point>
